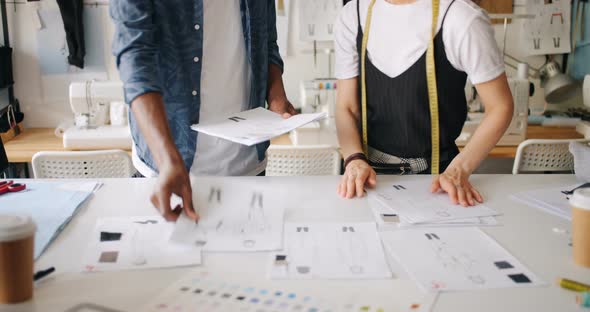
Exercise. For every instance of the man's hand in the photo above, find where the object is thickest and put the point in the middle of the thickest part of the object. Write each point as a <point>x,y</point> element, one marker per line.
<point>173,179</point>
<point>455,182</point>
<point>282,107</point>
<point>358,173</point>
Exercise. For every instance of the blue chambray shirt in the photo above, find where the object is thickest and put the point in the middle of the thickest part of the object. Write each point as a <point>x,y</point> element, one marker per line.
<point>156,44</point>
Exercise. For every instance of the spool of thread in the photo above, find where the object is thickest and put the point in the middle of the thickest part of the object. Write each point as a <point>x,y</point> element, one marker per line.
<point>583,299</point>
<point>523,71</point>
<point>573,285</point>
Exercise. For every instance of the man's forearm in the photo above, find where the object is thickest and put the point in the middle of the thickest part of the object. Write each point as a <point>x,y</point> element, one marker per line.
<point>150,113</point>
<point>276,89</point>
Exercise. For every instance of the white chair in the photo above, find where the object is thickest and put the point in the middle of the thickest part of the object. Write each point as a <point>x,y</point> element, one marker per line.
<point>82,165</point>
<point>288,160</point>
<point>538,155</point>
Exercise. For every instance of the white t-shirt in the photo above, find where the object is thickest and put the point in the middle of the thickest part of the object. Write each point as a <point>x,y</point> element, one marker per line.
<point>400,33</point>
<point>226,80</point>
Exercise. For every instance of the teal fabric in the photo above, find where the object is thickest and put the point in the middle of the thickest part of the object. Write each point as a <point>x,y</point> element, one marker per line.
<point>581,56</point>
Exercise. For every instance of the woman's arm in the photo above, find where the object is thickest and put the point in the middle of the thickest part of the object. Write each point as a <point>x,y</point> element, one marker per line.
<point>358,172</point>
<point>499,107</point>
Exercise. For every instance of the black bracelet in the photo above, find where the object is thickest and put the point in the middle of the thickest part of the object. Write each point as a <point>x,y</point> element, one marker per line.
<point>355,156</point>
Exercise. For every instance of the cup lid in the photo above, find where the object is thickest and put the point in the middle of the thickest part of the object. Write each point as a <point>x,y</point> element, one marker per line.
<point>581,198</point>
<point>15,227</point>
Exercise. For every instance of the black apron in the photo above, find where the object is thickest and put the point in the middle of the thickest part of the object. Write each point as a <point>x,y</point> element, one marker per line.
<point>398,111</point>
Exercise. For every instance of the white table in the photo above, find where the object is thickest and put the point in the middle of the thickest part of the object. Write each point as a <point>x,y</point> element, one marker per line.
<point>526,232</point>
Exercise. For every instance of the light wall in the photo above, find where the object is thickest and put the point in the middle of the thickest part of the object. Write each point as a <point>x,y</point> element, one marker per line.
<point>45,101</point>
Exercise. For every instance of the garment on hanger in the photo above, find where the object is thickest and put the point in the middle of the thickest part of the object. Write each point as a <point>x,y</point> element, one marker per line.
<point>5,67</point>
<point>72,12</point>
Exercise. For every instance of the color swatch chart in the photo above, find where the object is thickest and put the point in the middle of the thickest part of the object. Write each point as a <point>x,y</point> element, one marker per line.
<point>202,293</point>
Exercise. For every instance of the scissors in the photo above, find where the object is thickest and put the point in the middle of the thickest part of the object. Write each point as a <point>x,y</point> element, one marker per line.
<point>11,187</point>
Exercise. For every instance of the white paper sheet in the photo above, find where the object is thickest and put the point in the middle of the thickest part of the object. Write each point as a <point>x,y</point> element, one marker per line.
<point>317,19</point>
<point>254,126</point>
<point>416,204</point>
<point>450,259</point>
<point>548,32</point>
<point>330,251</point>
<point>550,200</point>
<point>234,217</point>
<point>388,218</point>
<point>132,243</point>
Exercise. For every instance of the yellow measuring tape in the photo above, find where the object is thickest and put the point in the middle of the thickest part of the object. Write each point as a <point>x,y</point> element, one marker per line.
<point>431,80</point>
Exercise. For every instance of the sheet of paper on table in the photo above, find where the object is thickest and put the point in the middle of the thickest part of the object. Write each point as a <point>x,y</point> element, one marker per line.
<point>234,217</point>
<point>330,251</point>
<point>254,126</point>
<point>134,243</point>
<point>451,259</point>
<point>51,205</point>
<point>551,200</point>
<point>416,204</point>
<point>206,291</point>
<point>387,218</point>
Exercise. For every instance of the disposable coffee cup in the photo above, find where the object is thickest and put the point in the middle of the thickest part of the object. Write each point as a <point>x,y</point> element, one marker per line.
<point>580,203</point>
<point>17,236</point>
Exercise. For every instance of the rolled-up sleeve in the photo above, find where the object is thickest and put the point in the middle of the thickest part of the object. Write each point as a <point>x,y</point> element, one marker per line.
<point>135,46</point>
<point>274,56</point>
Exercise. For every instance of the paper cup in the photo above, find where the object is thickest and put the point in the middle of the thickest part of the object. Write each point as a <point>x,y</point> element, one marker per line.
<point>16,258</point>
<point>580,203</point>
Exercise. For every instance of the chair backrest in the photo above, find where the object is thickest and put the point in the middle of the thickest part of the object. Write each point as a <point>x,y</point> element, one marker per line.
<point>538,155</point>
<point>83,164</point>
<point>287,160</point>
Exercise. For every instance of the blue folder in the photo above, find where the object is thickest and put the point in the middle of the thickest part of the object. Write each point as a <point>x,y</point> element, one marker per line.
<point>49,204</point>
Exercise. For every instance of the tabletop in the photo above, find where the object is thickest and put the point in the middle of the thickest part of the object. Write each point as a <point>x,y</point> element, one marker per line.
<point>533,132</point>
<point>22,148</point>
<point>526,232</point>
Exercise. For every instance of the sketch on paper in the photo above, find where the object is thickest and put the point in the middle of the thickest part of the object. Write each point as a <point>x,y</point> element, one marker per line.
<point>130,243</point>
<point>548,32</point>
<point>233,219</point>
<point>415,204</point>
<point>446,259</point>
<point>317,19</point>
<point>330,250</point>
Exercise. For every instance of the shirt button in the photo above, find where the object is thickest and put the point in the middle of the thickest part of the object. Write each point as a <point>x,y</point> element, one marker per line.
<point>197,26</point>
<point>194,92</point>
<point>196,59</point>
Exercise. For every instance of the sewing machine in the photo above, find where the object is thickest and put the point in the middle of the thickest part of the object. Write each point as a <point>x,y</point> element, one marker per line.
<point>516,132</point>
<point>100,117</point>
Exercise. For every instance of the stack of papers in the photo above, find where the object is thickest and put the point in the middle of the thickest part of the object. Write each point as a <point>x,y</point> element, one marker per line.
<point>330,251</point>
<point>451,259</point>
<point>254,126</point>
<point>551,200</point>
<point>51,205</point>
<point>412,204</point>
<point>132,243</point>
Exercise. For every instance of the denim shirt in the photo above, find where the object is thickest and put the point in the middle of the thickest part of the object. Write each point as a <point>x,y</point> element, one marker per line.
<point>158,45</point>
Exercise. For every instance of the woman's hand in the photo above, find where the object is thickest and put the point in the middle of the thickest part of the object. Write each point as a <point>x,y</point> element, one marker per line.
<point>455,182</point>
<point>357,174</point>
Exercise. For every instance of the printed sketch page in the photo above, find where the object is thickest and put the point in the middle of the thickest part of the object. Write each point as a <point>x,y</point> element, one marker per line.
<point>388,218</point>
<point>548,32</point>
<point>233,217</point>
<point>450,259</point>
<point>416,204</point>
<point>133,243</point>
<point>330,251</point>
<point>255,126</point>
